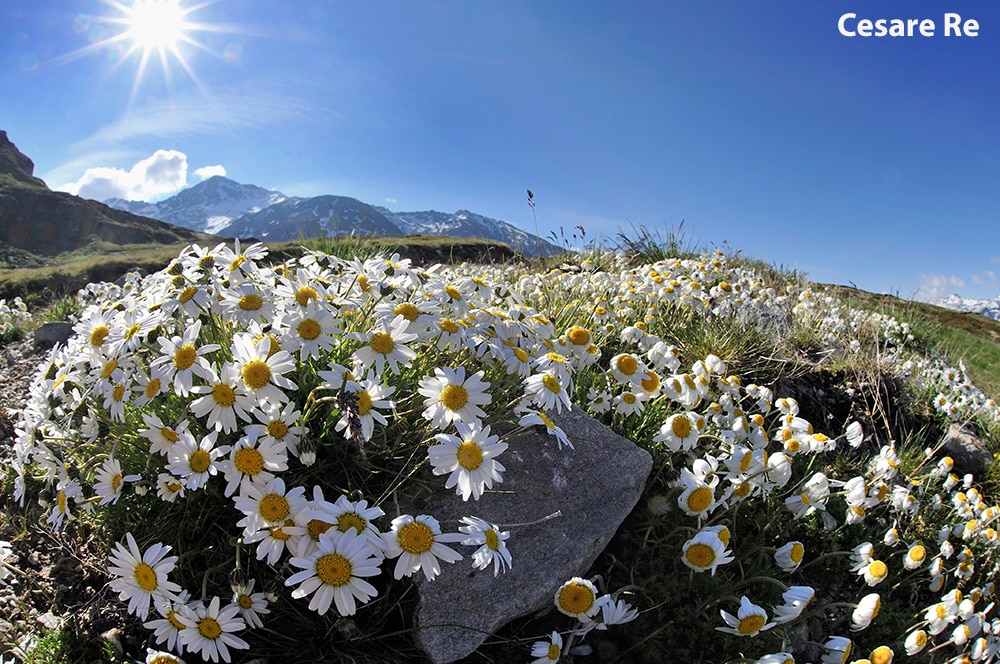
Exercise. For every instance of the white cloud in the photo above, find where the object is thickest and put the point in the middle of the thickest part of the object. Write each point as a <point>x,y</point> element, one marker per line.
<point>153,178</point>
<point>206,172</point>
<point>391,200</point>
<point>936,286</point>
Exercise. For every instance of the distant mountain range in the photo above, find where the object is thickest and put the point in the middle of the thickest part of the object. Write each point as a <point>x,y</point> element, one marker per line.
<point>224,207</point>
<point>988,308</point>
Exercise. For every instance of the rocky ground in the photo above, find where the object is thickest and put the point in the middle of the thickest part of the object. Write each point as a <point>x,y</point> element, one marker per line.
<point>49,580</point>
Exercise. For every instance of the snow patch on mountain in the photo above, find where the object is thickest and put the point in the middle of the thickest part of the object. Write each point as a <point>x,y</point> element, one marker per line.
<point>989,308</point>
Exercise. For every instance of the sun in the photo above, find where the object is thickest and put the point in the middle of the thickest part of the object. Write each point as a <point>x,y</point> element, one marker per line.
<point>155,25</point>
<point>144,31</point>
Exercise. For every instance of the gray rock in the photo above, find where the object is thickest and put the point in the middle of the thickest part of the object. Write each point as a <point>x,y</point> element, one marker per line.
<point>967,450</point>
<point>50,334</point>
<point>594,487</point>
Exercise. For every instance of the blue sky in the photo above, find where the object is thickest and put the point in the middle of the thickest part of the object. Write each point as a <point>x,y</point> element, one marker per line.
<point>869,161</point>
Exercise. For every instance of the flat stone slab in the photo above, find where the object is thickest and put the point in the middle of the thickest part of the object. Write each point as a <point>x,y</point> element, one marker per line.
<point>594,486</point>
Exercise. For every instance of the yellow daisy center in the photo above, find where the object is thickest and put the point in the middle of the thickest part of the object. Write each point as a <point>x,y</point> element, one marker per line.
<point>349,520</point>
<point>244,601</point>
<point>187,295</point>
<point>415,537</point>
<point>248,461</point>
<point>277,429</point>
<point>200,461</point>
<point>520,354</point>
<point>492,540</point>
<point>334,569</point>
<point>274,507</point>
<point>132,331</point>
<point>681,426</point>
<point>575,598</point>
<point>145,576</point>
<point>578,336</point>
<point>454,397</point>
<point>469,455</point>
<point>152,387</point>
<point>116,481</point>
<point>382,343</point>
<point>448,325</point>
<point>651,382</point>
<point>209,628</point>
<point>316,527</point>
<point>751,624</point>
<point>553,652</point>
<point>407,310</point>
<point>627,365</point>
<point>699,499</point>
<point>256,374</point>
<point>308,329</point>
<point>453,292</point>
<point>109,368</point>
<point>918,552</point>
<point>364,402</point>
<point>62,502</point>
<point>119,392</point>
<point>878,569</point>
<point>304,294</point>
<point>251,302</point>
<point>551,383</point>
<point>174,620</point>
<point>700,555</point>
<point>98,335</point>
<point>185,357</point>
<point>223,395</point>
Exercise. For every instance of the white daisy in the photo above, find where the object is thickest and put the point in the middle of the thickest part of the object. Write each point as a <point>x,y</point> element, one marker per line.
<point>110,481</point>
<point>251,605</point>
<point>253,459</point>
<point>160,435</point>
<point>705,551</point>
<point>451,397</point>
<point>368,396</point>
<point>546,391</point>
<point>311,330</point>
<point>750,620</point>
<point>470,457</point>
<point>577,598</point>
<point>491,542</point>
<point>546,652</point>
<point>531,418</point>
<point>419,544</point>
<point>261,371</point>
<point>386,345</point>
<point>224,401</point>
<point>195,460</point>
<point>183,358</point>
<point>268,505</point>
<point>141,576</point>
<point>333,573</point>
<point>209,630</point>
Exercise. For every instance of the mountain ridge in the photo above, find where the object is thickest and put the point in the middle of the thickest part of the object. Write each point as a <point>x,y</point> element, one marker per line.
<point>224,206</point>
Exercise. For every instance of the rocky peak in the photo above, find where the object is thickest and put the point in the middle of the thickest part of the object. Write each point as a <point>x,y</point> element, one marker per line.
<point>16,164</point>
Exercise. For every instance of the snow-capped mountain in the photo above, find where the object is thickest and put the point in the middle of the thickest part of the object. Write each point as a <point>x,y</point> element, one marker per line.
<point>468,224</point>
<point>221,206</point>
<point>209,206</point>
<point>989,308</point>
<point>297,218</point>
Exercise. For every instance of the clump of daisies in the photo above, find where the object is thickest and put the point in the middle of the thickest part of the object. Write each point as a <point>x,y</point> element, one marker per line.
<point>274,420</point>
<point>260,437</point>
<point>14,315</point>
